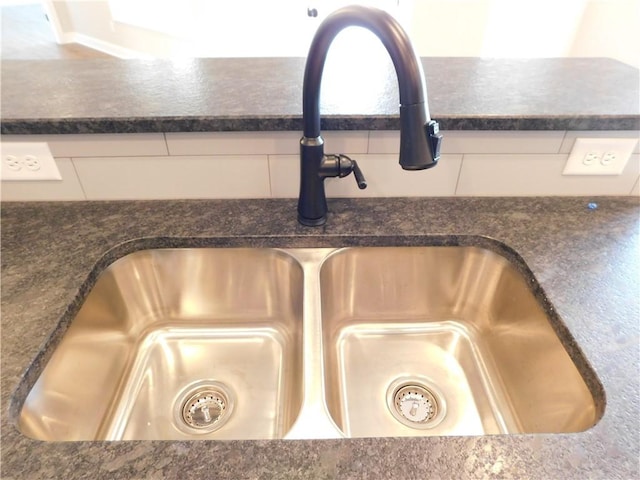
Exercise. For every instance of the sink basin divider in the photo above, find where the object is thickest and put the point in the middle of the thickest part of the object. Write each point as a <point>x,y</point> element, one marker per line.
<point>314,420</point>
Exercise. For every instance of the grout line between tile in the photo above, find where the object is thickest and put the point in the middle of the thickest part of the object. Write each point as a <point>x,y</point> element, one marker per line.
<point>564,136</point>
<point>73,164</point>
<point>633,187</point>
<point>269,174</point>
<point>166,143</point>
<point>455,190</point>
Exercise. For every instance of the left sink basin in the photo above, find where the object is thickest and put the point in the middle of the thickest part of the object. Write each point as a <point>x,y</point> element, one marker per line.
<point>175,344</point>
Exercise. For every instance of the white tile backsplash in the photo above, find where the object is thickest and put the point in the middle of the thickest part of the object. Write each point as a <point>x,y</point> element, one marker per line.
<point>262,143</point>
<point>522,175</point>
<point>68,188</point>
<point>384,141</point>
<point>232,143</point>
<point>174,177</point>
<point>284,171</point>
<point>385,178</point>
<point>356,142</point>
<point>460,142</point>
<point>265,164</point>
<point>570,137</point>
<point>99,145</point>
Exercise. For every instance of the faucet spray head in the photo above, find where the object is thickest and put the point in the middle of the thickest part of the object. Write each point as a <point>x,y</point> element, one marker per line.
<point>419,140</point>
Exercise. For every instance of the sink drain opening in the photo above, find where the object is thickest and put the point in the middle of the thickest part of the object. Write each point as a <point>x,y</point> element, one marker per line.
<point>203,407</point>
<point>415,404</point>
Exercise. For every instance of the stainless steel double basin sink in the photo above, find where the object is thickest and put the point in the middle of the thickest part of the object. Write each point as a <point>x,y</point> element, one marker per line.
<point>258,343</point>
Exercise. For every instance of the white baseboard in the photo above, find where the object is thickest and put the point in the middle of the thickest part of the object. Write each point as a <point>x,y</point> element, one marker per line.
<point>102,46</point>
<point>65,38</point>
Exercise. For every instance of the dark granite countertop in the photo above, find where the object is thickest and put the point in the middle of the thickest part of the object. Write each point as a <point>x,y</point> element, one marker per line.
<point>112,95</point>
<point>586,259</point>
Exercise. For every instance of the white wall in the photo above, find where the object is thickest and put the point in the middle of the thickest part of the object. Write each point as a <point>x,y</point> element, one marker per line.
<point>527,28</point>
<point>483,28</point>
<point>609,26</point>
<point>196,28</point>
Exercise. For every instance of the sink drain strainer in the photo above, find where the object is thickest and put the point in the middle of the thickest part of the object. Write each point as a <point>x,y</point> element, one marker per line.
<point>415,404</point>
<point>203,407</point>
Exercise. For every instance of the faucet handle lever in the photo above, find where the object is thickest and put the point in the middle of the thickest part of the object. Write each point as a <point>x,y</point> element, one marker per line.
<point>347,165</point>
<point>341,166</point>
<point>360,180</point>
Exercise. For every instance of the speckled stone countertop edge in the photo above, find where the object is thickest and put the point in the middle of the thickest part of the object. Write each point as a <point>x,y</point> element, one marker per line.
<point>294,123</point>
<point>202,95</point>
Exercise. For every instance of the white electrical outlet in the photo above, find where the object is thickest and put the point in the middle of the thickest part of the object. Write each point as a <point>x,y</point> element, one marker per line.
<point>27,161</point>
<point>599,156</point>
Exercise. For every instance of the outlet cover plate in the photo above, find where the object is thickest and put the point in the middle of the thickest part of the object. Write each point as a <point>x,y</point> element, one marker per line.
<point>599,156</point>
<point>26,161</point>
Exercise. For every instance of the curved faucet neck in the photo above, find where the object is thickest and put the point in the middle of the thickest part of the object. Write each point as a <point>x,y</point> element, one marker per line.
<point>407,65</point>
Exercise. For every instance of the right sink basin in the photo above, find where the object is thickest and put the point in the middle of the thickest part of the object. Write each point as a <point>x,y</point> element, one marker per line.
<point>443,341</point>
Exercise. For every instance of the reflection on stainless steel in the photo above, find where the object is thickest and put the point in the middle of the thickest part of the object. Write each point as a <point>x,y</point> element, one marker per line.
<point>308,343</point>
<point>159,321</point>
<point>462,318</point>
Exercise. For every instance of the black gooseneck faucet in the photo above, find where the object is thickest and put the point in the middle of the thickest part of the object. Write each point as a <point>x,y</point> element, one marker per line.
<point>419,135</point>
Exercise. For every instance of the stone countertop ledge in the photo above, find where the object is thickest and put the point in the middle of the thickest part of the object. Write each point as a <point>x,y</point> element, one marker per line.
<point>253,94</point>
